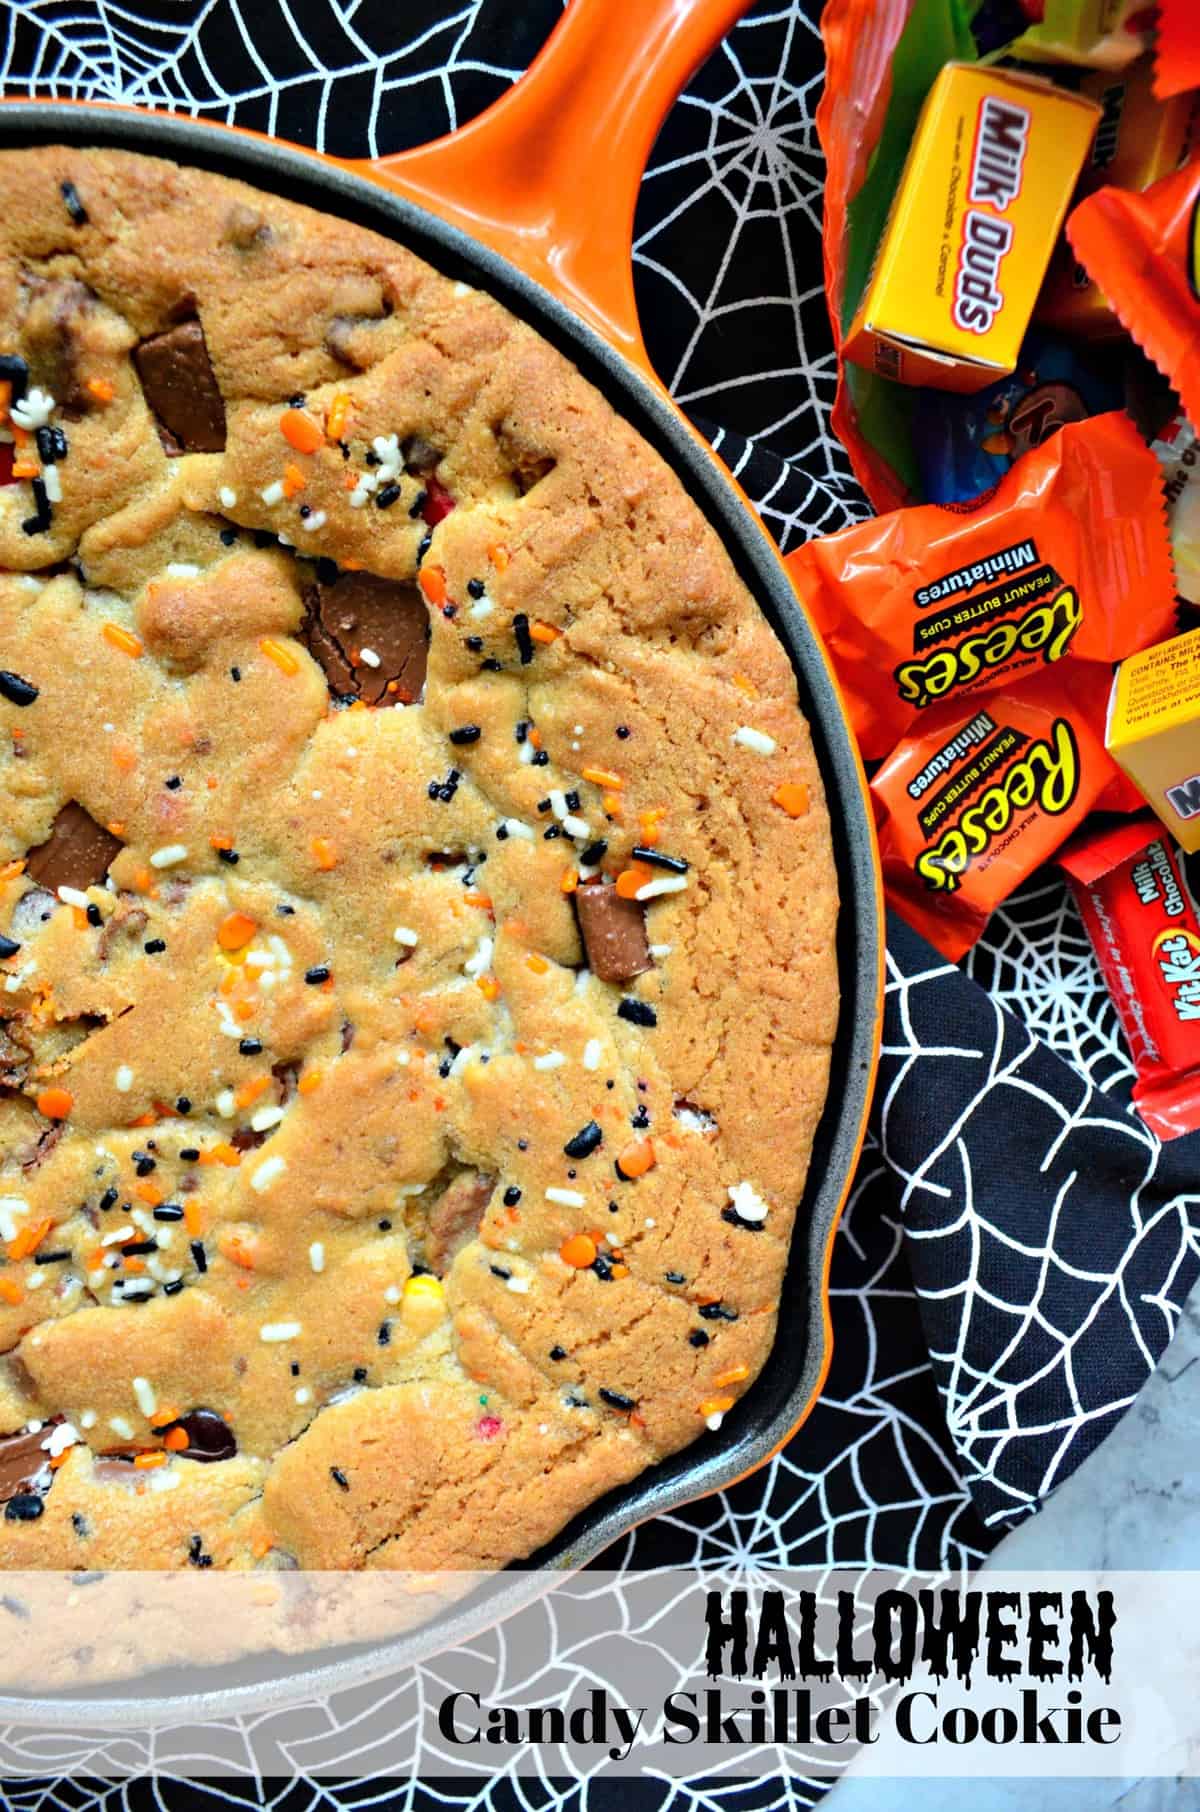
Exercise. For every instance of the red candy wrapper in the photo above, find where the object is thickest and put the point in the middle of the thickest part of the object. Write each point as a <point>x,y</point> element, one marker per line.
<point>1143,249</point>
<point>983,793</point>
<point>1176,48</point>
<point>1141,917</point>
<point>1069,556</point>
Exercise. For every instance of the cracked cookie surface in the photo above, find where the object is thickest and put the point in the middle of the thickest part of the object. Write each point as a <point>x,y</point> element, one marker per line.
<point>417,896</point>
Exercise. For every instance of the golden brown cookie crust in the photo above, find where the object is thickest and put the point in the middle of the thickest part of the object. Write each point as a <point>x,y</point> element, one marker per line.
<point>244,1098</point>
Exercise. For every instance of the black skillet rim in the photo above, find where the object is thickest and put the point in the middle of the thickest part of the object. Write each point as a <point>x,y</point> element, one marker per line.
<point>764,1417</point>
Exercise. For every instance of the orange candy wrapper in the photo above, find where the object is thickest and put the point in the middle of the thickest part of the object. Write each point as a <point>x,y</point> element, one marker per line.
<point>1176,48</point>
<point>1143,250</point>
<point>1068,559</point>
<point>985,792</point>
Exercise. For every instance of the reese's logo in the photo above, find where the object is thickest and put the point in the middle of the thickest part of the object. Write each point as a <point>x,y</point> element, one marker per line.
<point>1046,775</point>
<point>1048,629</point>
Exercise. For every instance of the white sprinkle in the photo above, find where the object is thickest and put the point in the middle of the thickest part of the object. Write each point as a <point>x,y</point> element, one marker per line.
<point>227,497</point>
<point>168,855</point>
<point>407,1189</point>
<point>392,1293</point>
<point>274,1332</point>
<point>315,521</point>
<point>558,803</point>
<point>549,1060</point>
<point>303,1395</point>
<point>120,1426</point>
<point>62,1436</point>
<point>748,1205</point>
<point>118,1234</point>
<point>526,753</point>
<point>53,484</point>
<point>462,1057</point>
<point>266,1118</point>
<point>357,499</point>
<point>88,1419</point>
<point>515,828</point>
<point>566,1198</point>
<point>661,884</point>
<point>123,1080</point>
<point>182,569</point>
<point>461,290</point>
<point>478,963</point>
<point>658,951</point>
<point>369,656</point>
<point>316,1255</point>
<point>715,1420</point>
<point>576,827</point>
<point>11,1206</point>
<point>226,1104</point>
<point>577,730</point>
<point>649,1223</point>
<point>266,1174</point>
<point>147,1399</point>
<point>164,1478</point>
<point>404,936</point>
<point>273,493</point>
<point>33,411</point>
<point>35,1281</point>
<point>72,896</point>
<point>754,739</point>
<point>519,1285</point>
<point>482,607</point>
<point>592,1052</point>
<point>695,1119</point>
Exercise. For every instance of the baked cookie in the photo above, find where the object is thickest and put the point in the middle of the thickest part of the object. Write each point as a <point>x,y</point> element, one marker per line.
<point>418,905</point>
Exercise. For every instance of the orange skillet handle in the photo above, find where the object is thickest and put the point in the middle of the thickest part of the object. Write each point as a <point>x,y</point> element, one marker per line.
<point>548,175</point>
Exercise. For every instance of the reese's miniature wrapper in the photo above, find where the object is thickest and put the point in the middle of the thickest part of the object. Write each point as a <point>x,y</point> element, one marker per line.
<point>982,794</point>
<point>1131,886</point>
<point>1068,559</point>
<point>1143,250</point>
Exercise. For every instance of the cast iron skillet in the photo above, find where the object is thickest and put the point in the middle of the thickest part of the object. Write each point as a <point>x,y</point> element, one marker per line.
<point>534,202</point>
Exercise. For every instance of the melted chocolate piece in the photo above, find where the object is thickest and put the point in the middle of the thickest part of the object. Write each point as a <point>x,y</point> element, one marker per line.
<point>209,1436</point>
<point>181,388</point>
<point>56,313</point>
<point>77,853</point>
<point>384,616</point>
<point>455,1217</point>
<point>614,932</point>
<point>22,1457</point>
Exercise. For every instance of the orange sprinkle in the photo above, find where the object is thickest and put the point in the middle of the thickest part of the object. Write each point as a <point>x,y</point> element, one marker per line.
<point>632,879</point>
<point>293,479</point>
<point>123,640</point>
<point>10,1292</point>
<point>251,1090</point>
<point>483,900</point>
<point>244,1010</point>
<point>612,805</point>
<point>21,436</point>
<point>79,917</point>
<point>338,414</point>
<point>193,1220</point>
<point>308,1081</point>
<point>176,1439</point>
<point>745,685</point>
<point>11,870</point>
<point>149,1118</point>
<point>570,880</point>
<point>535,736</point>
<point>300,431</point>
<point>637,1159</point>
<point>499,555</point>
<point>5,396</point>
<point>619,1271</point>
<point>260,1547</point>
<point>115,828</point>
<point>792,795</point>
<point>124,758</point>
<point>714,1406</point>
<point>100,388</point>
<point>235,932</point>
<point>142,880</point>
<point>55,1103</point>
<point>220,842</point>
<point>543,632</point>
<point>433,584</point>
<point>29,1239</point>
<point>488,986</point>
<point>603,777</point>
<point>228,1155</point>
<point>237,1250</point>
<point>25,468</point>
<point>734,1375</point>
<point>538,964</point>
<point>579,1251</point>
<point>148,1193</point>
<point>58,1459</point>
<point>280,653</point>
<point>323,853</point>
<point>146,1462</point>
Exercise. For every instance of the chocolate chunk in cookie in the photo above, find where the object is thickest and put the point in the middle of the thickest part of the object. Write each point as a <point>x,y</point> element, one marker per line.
<point>370,636</point>
<point>209,1436</point>
<point>456,1217</point>
<point>22,1458</point>
<point>77,853</point>
<point>614,932</point>
<point>181,388</point>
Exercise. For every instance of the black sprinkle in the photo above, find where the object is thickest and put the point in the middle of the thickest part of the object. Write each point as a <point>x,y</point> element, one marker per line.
<point>637,1012</point>
<point>74,206</point>
<point>108,1200</point>
<point>284,912</point>
<point>674,1276</point>
<point>200,1256</point>
<point>736,1220</point>
<point>168,1211</point>
<point>235,674</point>
<point>474,643</point>
<point>584,1142</point>
<point>372,458</point>
<point>499,1271</point>
<point>14,371</point>
<point>316,975</point>
<point>717,1311</point>
<point>602,1265</point>
<point>656,859</point>
<point>26,1507</point>
<point>360,1374</point>
<point>385,1226</point>
<point>541,758</point>
<point>557,1353</point>
<point>305,510</point>
<point>339,1478</point>
<point>384,1336</point>
<point>228,855</point>
<point>466,733</point>
<point>423,547</point>
<point>8,946</point>
<point>524,639</point>
<point>296,401</point>
<point>553,831</point>
<point>52,445</point>
<point>475,588</point>
<point>418,504</point>
<point>450,610</point>
<point>189,1154</point>
<point>573,800</point>
<point>40,521</point>
<point>512,1196</point>
<point>16,690</point>
<point>50,1258</point>
<point>183,1105</point>
<point>250,1047</point>
<point>173,784</point>
<point>502,833</point>
<point>698,1337</point>
<point>79,1523</point>
<point>138,1248</point>
<point>94,915</point>
<point>173,1289</point>
<point>522,1144</point>
<point>155,947</point>
<point>228,536</point>
<point>389,495</point>
<point>641,1120</point>
<point>142,1164</point>
<point>491,665</point>
<point>594,854</point>
<point>622,731</point>
<point>615,1400</point>
<point>196,1555</point>
<point>574,1401</point>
